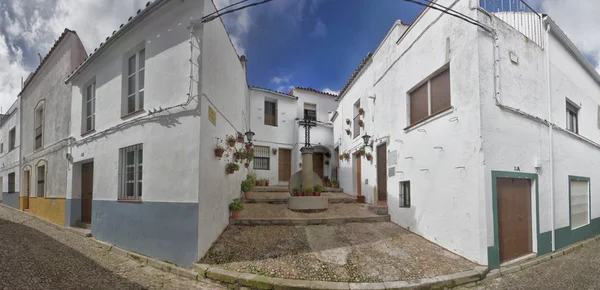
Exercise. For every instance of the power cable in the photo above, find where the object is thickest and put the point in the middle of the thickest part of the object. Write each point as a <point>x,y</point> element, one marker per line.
<point>446,10</point>
<point>228,6</point>
<point>208,18</point>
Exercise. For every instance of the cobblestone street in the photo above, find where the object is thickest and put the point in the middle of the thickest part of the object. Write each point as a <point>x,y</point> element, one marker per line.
<point>36,255</point>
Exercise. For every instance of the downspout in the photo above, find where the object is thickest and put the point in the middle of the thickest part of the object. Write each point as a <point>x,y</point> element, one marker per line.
<point>550,132</point>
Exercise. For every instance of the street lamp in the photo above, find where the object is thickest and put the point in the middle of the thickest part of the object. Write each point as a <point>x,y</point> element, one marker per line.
<point>366,139</point>
<point>249,136</point>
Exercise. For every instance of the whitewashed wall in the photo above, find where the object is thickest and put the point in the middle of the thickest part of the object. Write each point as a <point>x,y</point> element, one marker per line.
<point>9,160</point>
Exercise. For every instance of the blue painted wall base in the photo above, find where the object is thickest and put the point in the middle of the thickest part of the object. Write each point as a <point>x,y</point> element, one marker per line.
<point>162,230</point>
<point>11,199</point>
<point>72,212</point>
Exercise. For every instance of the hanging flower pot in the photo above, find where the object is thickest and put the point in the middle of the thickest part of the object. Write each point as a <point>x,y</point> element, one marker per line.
<point>246,165</point>
<point>274,151</point>
<point>327,154</point>
<point>232,167</point>
<point>240,137</point>
<point>219,152</point>
<point>327,162</point>
<point>230,141</point>
<point>369,156</point>
<point>341,156</point>
<point>348,121</point>
<point>348,132</point>
<point>361,111</point>
<point>361,123</point>
<point>248,146</point>
<point>362,151</point>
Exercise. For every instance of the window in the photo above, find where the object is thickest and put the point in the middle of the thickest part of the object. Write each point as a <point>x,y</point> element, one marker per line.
<point>572,111</point>
<point>430,98</point>
<point>355,124</point>
<point>11,182</point>
<point>135,81</point>
<point>41,181</point>
<point>90,108</point>
<point>39,126</point>
<point>270,113</point>
<point>404,193</point>
<point>310,111</point>
<point>261,158</point>
<point>130,172</point>
<point>12,137</point>
<point>580,202</point>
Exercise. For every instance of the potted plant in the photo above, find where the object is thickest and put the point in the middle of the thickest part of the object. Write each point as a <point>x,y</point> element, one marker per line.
<point>247,165</point>
<point>274,151</point>
<point>248,146</point>
<point>326,162</point>
<point>240,137</point>
<point>249,156</point>
<point>341,157</point>
<point>346,156</point>
<point>219,151</point>
<point>348,121</point>
<point>362,151</point>
<point>266,182</point>
<point>297,192</point>
<point>236,208</point>
<point>232,167</point>
<point>348,132</point>
<point>360,199</point>
<point>263,182</point>
<point>327,154</point>
<point>335,183</point>
<point>326,181</point>
<point>230,141</point>
<point>247,187</point>
<point>361,111</point>
<point>308,191</point>
<point>318,189</point>
<point>369,156</point>
<point>361,123</point>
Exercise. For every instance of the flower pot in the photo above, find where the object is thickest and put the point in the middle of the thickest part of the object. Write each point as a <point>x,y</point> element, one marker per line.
<point>274,151</point>
<point>309,193</point>
<point>362,152</point>
<point>361,123</point>
<point>263,183</point>
<point>246,165</point>
<point>240,139</point>
<point>348,132</point>
<point>360,199</point>
<point>369,157</point>
<point>361,111</point>
<point>348,121</point>
<point>246,195</point>
<point>317,194</point>
<point>257,183</point>
<point>219,152</point>
<point>236,214</point>
<point>299,193</point>
<point>248,147</point>
<point>231,143</point>
<point>336,185</point>
<point>267,183</point>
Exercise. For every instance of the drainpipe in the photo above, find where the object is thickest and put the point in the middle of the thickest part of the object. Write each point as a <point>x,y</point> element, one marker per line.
<point>550,131</point>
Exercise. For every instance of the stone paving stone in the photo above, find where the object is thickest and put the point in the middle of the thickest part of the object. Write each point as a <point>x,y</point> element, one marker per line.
<point>37,255</point>
<point>367,286</point>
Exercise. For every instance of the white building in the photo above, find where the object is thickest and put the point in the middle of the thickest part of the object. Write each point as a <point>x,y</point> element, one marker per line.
<point>9,155</point>
<point>485,138</point>
<point>144,125</point>
<point>275,118</point>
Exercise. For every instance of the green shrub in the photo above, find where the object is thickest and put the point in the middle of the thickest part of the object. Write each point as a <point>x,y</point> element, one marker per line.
<point>236,205</point>
<point>247,185</point>
<point>319,188</point>
<point>308,189</point>
<point>334,181</point>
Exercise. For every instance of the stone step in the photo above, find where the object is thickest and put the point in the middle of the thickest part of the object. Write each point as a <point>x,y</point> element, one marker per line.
<point>308,221</point>
<point>83,225</point>
<point>279,188</point>
<point>80,231</point>
<point>281,197</point>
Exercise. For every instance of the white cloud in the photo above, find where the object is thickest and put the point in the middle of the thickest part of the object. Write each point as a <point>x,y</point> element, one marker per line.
<point>330,91</point>
<point>283,88</point>
<point>11,67</point>
<point>280,80</point>
<point>579,20</point>
<point>319,30</point>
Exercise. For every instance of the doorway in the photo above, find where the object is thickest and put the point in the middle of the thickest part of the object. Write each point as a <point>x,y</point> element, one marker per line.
<point>87,185</point>
<point>285,164</point>
<point>381,173</point>
<point>26,188</point>
<point>318,163</point>
<point>514,218</point>
<point>358,175</point>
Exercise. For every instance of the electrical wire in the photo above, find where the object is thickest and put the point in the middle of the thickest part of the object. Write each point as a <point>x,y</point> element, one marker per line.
<point>446,10</point>
<point>228,6</point>
<point>209,18</point>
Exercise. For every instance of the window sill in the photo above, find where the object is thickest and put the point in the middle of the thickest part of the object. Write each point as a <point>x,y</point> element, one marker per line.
<point>134,113</point>
<point>86,133</point>
<point>429,118</point>
<point>130,200</point>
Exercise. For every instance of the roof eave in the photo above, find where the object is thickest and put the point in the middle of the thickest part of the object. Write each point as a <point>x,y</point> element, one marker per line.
<point>113,38</point>
<point>274,92</point>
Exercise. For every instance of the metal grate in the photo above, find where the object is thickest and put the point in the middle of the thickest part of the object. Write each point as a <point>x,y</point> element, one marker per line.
<point>270,113</point>
<point>262,157</point>
<point>130,172</point>
<point>404,193</point>
<point>519,15</point>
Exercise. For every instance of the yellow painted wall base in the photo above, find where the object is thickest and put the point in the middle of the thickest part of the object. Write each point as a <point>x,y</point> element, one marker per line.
<point>43,207</point>
<point>22,200</point>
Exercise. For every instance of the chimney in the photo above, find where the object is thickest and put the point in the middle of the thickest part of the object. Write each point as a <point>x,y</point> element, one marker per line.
<point>243,60</point>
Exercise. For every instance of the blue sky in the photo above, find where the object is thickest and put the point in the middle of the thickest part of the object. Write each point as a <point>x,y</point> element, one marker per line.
<point>318,44</point>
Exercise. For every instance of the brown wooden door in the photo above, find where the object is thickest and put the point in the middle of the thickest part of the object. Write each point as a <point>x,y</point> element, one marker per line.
<point>514,217</point>
<point>27,186</point>
<point>87,182</point>
<point>381,172</point>
<point>285,164</point>
<point>358,175</point>
<point>318,164</point>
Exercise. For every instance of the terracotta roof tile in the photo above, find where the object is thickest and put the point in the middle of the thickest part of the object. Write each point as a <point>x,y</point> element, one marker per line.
<point>111,36</point>
<point>32,76</point>
<point>278,92</point>
<point>310,90</point>
<point>355,74</point>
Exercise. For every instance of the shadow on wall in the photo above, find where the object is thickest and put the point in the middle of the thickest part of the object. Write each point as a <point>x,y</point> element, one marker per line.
<point>29,255</point>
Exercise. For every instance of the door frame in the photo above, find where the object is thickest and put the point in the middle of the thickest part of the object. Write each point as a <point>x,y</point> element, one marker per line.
<point>279,156</point>
<point>384,148</point>
<point>81,176</point>
<point>540,243</point>
<point>358,173</point>
<point>26,186</point>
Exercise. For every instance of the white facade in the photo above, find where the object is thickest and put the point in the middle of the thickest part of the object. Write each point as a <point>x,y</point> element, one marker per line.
<point>498,126</point>
<point>287,133</point>
<point>9,157</point>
